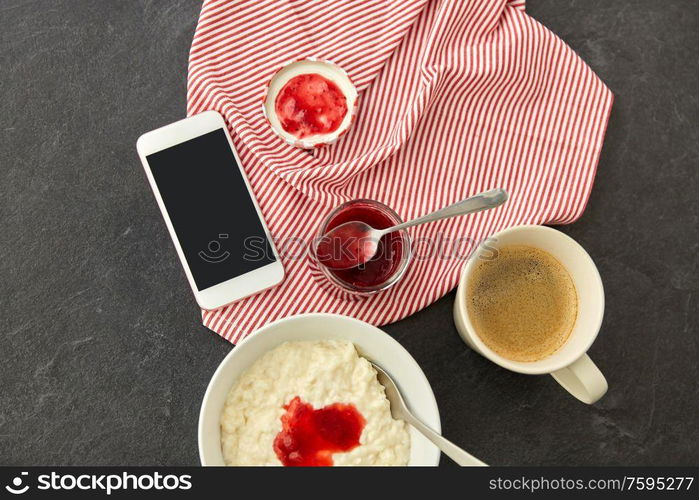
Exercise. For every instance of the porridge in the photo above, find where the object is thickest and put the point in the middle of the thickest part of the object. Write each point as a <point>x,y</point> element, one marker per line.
<point>311,403</point>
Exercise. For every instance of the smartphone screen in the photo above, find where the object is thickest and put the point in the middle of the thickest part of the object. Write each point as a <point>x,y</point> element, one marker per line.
<point>210,208</point>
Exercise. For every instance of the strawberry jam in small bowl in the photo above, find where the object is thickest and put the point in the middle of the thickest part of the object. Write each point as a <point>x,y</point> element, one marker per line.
<point>310,103</point>
<point>384,270</point>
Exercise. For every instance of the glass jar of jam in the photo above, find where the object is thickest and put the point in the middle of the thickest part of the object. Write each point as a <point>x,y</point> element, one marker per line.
<point>384,269</point>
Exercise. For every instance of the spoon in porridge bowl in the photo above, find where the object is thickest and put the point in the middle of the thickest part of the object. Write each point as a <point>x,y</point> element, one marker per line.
<point>400,411</point>
<point>354,243</point>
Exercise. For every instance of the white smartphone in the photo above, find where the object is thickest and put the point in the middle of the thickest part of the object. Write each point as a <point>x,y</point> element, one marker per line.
<point>223,243</point>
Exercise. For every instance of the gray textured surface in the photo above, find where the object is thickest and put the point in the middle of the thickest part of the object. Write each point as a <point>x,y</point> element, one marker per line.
<point>104,358</point>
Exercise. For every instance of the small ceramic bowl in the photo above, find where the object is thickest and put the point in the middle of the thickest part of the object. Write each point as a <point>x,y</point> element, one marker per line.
<point>325,69</point>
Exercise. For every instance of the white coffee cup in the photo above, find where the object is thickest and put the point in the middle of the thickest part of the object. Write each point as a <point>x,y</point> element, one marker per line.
<point>570,365</point>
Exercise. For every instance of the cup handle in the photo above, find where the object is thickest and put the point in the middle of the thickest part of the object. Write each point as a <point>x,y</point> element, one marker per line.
<point>582,379</point>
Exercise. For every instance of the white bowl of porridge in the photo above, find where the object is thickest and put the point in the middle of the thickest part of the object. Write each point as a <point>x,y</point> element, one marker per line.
<point>301,391</point>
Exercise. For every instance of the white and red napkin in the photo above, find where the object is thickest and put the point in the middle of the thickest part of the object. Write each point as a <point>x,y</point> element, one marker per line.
<point>456,97</point>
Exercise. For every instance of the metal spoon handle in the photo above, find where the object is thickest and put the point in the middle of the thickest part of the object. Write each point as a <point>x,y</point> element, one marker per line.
<point>458,455</point>
<point>482,201</point>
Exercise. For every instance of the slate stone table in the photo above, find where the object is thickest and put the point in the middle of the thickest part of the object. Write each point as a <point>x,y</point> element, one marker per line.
<point>104,360</point>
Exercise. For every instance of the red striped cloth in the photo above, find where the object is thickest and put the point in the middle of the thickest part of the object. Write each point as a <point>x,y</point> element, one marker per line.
<point>457,97</point>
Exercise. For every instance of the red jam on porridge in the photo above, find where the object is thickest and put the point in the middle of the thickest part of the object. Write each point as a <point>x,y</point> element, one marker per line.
<point>309,437</point>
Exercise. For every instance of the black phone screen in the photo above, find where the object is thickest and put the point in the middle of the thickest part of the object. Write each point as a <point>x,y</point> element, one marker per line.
<point>211,209</point>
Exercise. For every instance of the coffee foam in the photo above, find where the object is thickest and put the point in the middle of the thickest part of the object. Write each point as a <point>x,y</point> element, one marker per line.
<point>523,303</point>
